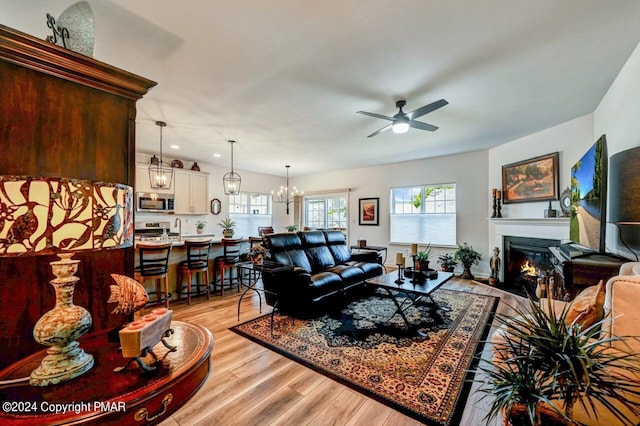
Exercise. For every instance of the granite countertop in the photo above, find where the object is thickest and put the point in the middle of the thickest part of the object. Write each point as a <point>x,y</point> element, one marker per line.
<point>180,243</point>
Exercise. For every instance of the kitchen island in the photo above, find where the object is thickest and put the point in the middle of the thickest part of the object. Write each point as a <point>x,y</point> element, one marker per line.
<point>178,254</point>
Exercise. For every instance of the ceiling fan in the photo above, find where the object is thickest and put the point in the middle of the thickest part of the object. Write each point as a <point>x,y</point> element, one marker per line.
<point>402,121</point>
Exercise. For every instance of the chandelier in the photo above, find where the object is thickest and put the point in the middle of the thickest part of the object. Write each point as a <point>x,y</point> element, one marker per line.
<point>231,181</point>
<point>160,172</point>
<point>284,196</point>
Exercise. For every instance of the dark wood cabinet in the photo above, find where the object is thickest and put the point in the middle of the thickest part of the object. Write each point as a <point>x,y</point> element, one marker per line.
<point>574,274</point>
<point>62,114</point>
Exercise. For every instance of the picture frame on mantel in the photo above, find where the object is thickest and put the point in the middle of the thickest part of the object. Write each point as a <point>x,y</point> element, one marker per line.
<point>369,211</point>
<point>535,179</point>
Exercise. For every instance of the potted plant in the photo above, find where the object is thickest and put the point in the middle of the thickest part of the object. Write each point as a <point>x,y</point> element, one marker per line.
<point>544,365</point>
<point>200,224</point>
<point>447,262</point>
<point>422,259</point>
<point>291,228</point>
<point>227,226</point>
<point>468,257</point>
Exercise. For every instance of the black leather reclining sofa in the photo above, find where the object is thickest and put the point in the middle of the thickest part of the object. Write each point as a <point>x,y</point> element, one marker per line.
<point>323,266</point>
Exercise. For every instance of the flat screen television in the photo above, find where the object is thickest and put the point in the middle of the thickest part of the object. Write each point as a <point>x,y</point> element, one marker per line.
<point>589,198</point>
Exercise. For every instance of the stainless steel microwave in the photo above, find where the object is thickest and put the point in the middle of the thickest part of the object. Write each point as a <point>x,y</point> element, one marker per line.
<point>152,202</point>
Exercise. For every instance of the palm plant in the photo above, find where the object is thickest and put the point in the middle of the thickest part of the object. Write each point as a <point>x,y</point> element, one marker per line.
<point>543,363</point>
<point>227,226</point>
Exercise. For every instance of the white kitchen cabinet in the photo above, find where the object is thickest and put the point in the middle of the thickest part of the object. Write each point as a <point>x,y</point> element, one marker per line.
<point>191,192</point>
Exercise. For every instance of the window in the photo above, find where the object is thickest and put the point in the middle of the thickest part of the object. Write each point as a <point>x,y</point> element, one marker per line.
<point>249,211</point>
<point>325,211</point>
<point>424,214</point>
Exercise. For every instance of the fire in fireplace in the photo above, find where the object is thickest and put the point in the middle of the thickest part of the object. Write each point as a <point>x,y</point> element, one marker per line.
<point>527,260</point>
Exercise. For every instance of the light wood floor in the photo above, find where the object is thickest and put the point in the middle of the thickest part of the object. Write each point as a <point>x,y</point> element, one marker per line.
<point>251,385</point>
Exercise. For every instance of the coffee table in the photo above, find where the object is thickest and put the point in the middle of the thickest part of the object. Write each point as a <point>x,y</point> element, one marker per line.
<point>406,294</point>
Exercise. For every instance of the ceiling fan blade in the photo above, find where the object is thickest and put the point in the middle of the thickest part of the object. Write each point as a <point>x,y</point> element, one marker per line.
<point>422,126</point>
<point>426,109</point>
<point>384,129</point>
<point>374,115</point>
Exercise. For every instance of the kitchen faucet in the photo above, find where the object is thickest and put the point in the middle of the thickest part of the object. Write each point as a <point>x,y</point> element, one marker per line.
<point>179,224</point>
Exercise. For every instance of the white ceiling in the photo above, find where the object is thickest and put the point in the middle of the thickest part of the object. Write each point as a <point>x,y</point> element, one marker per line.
<point>285,77</point>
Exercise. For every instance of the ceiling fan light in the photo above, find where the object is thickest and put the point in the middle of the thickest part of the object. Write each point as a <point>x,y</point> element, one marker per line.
<point>400,126</point>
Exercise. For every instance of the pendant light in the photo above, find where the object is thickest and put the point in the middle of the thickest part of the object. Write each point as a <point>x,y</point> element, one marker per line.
<point>285,195</point>
<point>160,172</point>
<point>231,181</point>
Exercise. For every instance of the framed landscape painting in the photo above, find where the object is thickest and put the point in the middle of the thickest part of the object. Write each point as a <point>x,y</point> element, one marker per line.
<point>530,180</point>
<point>369,211</point>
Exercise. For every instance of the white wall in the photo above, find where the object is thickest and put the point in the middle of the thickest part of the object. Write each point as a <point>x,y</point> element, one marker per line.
<point>618,116</point>
<point>570,139</point>
<point>251,182</point>
<point>468,171</point>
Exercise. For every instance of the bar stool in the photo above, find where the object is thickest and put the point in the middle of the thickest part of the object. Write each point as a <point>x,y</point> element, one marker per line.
<point>265,230</point>
<point>229,260</point>
<point>154,263</point>
<point>262,230</point>
<point>197,263</point>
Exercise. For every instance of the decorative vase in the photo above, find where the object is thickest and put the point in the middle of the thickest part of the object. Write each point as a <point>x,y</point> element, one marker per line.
<point>227,233</point>
<point>199,230</point>
<point>466,273</point>
<point>60,328</point>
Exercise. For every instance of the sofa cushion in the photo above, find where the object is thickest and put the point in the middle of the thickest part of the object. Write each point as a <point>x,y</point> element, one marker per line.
<point>337,246</point>
<point>320,258</point>
<point>624,316</point>
<point>317,250</point>
<point>295,257</point>
<point>324,284</point>
<point>348,274</point>
<point>587,307</point>
<point>286,248</point>
<point>370,269</point>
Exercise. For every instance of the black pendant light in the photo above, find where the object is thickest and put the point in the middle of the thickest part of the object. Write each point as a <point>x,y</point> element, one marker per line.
<point>160,172</point>
<point>231,181</point>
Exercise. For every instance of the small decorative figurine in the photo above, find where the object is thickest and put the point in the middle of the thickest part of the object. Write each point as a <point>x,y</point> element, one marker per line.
<point>129,293</point>
<point>494,263</point>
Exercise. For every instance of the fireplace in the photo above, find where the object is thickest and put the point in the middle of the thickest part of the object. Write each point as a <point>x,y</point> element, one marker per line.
<point>526,260</point>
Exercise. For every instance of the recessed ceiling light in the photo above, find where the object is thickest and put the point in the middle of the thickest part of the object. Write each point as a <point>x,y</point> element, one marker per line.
<point>217,155</point>
<point>175,146</point>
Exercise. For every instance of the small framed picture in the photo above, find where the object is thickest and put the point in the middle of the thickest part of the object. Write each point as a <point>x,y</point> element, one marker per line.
<point>369,211</point>
<point>535,179</point>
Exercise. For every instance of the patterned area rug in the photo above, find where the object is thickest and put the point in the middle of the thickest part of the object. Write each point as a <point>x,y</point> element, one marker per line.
<point>365,346</point>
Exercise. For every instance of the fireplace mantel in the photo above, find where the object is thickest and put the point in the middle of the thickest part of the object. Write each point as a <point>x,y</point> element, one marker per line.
<point>556,228</point>
<point>551,228</point>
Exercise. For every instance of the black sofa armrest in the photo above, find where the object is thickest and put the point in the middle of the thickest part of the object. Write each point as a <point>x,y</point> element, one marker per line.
<point>282,283</point>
